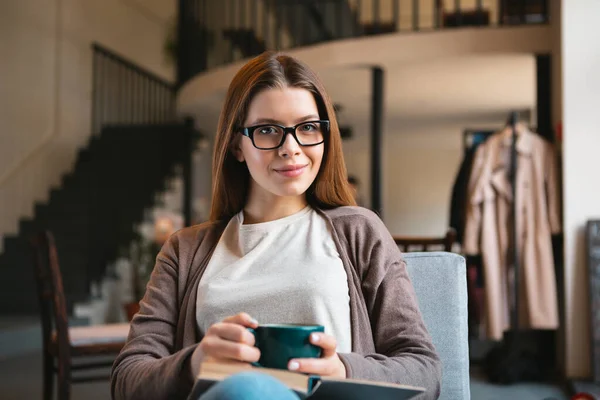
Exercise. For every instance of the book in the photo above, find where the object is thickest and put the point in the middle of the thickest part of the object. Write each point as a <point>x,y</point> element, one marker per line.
<point>311,387</point>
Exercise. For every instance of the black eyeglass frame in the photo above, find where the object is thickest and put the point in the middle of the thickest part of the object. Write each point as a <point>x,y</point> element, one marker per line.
<point>249,132</point>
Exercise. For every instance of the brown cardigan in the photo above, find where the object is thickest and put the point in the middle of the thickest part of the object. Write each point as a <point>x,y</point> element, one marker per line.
<point>389,340</point>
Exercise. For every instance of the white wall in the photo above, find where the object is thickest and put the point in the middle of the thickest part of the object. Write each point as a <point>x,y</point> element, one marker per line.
<point>420,164</point>
<point>45,85</point>
<point>581,98</point>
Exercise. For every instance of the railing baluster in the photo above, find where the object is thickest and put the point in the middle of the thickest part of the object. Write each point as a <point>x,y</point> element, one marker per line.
<point>126,88</point>
<point>153,103</point>
<point>303,29</point>
<point>243,14</point>
<point>396,13</point>
<point>134,97</point>
<point>479,10</point>
<point>265,21</point>
<point>146,96</point>
<point>202,28</point>
<point>238,14</point>
<point>294,23</point>
<point>358,17</point>
<point>166,104</point>
<point>112,92</point>
<point>102,90</point>
<point>128,96</point>
<point>415,15</point>
<point>121,91</point>
<point>94,90</point>
<point>151,106</point>
<point>199,14</point>
<point>231,28</point>
<point>159,105</point>
<point>277,13</point>
<point>342,31</point>
<point>458,13</point>
<point>375,16</point>
<point>162,104</point>
<point>254,12</point>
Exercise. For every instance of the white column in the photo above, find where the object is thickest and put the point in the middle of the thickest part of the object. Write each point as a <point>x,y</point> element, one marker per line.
<point>581,172</point>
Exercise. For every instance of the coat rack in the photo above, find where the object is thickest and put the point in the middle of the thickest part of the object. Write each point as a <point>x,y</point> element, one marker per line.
<point>524,354</point>
<point>512,122</point>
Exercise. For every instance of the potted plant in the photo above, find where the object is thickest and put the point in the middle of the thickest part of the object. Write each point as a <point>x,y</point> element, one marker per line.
<point>142,253</point>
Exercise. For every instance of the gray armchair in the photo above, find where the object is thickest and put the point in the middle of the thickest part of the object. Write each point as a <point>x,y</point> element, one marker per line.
<point>440,283</point>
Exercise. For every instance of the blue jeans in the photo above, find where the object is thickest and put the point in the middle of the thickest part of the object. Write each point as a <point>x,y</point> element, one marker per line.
<point>249,386</point>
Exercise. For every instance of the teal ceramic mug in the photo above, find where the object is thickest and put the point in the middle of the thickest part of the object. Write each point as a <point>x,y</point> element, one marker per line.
<point>279,343</point>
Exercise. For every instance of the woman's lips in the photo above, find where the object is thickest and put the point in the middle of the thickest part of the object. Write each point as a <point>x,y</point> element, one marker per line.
<point>291,171</point>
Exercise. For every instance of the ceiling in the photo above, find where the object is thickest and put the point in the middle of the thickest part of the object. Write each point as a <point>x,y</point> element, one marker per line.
<point>450,90</point>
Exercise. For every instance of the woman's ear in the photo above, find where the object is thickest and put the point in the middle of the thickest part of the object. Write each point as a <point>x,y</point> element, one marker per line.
<point>237,151</point>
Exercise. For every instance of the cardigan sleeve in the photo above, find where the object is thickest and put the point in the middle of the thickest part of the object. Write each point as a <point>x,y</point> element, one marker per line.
<point>148,367</point>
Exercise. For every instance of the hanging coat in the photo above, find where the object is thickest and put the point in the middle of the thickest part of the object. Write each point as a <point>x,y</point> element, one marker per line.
<point>488,226</point>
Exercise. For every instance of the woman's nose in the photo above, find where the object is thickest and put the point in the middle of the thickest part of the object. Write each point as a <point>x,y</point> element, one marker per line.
<point>289,147</point>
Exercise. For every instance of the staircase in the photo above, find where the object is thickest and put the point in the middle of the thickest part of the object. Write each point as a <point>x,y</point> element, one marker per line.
<point>94,211</point>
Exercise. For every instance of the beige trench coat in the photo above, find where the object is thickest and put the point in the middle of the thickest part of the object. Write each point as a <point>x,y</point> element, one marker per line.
<point>488,224</point>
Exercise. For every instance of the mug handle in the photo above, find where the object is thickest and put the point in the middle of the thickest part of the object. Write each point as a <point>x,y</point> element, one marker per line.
<point>253,332</point>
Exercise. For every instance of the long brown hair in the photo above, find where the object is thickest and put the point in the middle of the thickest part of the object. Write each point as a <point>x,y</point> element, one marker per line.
<point>231,178</point>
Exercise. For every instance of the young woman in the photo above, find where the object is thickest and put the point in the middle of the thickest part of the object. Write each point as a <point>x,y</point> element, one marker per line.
<point>285,244</point>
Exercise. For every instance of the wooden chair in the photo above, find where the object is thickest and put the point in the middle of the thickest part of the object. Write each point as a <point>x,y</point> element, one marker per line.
<point>68,350</point>
<point>410,243</point>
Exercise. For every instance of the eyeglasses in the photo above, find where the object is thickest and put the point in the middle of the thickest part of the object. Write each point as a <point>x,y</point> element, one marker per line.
<point>272,136</point>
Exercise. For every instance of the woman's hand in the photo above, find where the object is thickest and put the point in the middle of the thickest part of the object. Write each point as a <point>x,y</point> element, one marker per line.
<point>227,340</point>
<point>328,365</point>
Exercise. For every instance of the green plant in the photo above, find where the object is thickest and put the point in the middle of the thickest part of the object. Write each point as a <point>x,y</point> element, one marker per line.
<point>142,255</point>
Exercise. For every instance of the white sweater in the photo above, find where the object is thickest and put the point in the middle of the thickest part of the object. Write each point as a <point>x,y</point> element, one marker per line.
<point>282,271</point>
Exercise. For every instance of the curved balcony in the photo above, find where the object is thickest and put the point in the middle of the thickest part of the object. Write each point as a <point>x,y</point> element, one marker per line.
<point>218,33</point>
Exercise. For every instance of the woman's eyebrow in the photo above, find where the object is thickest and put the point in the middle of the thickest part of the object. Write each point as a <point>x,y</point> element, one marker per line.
<point>310,117</point>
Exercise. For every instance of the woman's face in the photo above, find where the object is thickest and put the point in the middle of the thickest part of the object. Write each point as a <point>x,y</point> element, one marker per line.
<point>289,170</point>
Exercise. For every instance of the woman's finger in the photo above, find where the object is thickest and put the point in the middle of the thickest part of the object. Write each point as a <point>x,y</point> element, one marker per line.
<point>232,332</point>
<point>242,319</point>
<point>317,366</point>
<point>214,346</point>
<point>326,342</point>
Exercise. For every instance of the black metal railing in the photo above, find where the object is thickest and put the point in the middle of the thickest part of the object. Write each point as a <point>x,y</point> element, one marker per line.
<point>216,33</point>
<point>125,93</point>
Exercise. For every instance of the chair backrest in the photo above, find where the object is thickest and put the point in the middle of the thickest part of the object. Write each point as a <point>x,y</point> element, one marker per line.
<point>440,284</point>
<point>415,243</point>
<point>53,309</point>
